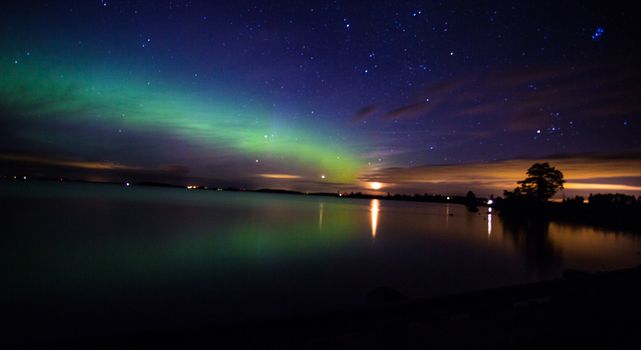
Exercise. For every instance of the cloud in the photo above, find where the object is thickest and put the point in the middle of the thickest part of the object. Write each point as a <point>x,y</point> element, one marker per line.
<point>175,169</point>
<point>91,165</point>
<point>528,98</point>
<point>46,166</point>
<point>409,111</point>
<point>279,176</point>
<point>363,113</point>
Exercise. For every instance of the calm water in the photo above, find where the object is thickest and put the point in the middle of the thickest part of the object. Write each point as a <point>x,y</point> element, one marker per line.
<point>81,258</point>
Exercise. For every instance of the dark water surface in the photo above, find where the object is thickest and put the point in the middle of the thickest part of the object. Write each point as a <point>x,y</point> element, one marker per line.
<point>82,259</point>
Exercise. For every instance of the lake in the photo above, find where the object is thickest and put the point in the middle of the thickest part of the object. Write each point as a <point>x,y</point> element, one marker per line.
<point>81,259</point>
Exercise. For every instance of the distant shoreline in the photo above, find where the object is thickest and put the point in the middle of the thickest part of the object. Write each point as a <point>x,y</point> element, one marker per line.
<point>615,216</point>
<point>429,198</point>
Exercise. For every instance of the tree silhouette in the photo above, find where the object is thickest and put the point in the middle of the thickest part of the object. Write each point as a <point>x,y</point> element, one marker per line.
<point>470,201</point>
<point>541,183</point>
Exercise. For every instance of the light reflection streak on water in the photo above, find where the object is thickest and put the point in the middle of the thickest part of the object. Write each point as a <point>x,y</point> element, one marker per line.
<point>374,209</point>
<point>447,214</point>
<point>320,217</point>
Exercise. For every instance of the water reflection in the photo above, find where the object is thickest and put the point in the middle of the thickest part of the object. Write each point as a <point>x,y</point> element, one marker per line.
<point>257,254</point>
<point>489,222</point>
<point>320,217</point>
<point>531,237</point>
<point>374,209</point>
<point>447,214</point>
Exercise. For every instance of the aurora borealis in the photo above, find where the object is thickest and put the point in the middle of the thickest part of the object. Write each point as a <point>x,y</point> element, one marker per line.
<point>326,96</point>
<point>207,120</point>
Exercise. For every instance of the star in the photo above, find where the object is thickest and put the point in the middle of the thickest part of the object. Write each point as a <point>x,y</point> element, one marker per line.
<point>598,33</point>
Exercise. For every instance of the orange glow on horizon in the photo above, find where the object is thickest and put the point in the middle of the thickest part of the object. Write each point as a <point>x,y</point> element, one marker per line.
<point>596,186</point>
<point>68,163</point>
<point>582,174</point>
<point>376,185</point>
<point>279,176</point>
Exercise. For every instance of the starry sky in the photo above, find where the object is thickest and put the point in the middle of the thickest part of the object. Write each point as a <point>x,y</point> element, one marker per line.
<point>421,96</point>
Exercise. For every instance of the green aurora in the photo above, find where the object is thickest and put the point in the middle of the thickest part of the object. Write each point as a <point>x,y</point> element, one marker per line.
<point>34,91</point>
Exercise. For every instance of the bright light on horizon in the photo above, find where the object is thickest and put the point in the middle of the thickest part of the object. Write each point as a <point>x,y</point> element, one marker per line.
<point>376,185</point>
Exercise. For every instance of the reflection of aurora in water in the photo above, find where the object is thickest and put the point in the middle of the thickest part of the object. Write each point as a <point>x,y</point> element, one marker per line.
<point>255,231</point>
<point>233,249</point>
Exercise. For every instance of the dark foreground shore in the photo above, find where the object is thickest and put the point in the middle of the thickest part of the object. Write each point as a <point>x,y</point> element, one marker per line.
<point>580,309</point>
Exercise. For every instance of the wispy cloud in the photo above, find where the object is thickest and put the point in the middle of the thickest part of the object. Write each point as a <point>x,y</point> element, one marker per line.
<point>518,100</point>
<point>279,176</point>
<point>91,165</point>
<point>364,113</point>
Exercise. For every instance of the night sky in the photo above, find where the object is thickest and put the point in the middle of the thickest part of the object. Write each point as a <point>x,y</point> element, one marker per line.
<point>437,97</point>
